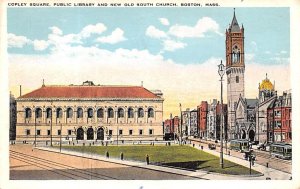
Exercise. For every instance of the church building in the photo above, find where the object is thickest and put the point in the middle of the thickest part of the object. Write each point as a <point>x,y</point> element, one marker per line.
<point>235,69</point>
<point>89,112</point>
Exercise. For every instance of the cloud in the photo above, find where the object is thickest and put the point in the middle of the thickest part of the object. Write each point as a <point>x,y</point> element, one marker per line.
<point>253,46</point>
<point>40,45</point>
<point>188,84</point>
<point>280,60</point>
<point>92,29</point>
<point>170,45</point>
<point>164,21</point>
<point>116,36</point>
<point>57,41</point>
<point>15,41</point>
<point>203,26</point>
<point>283,52</point>
<point>155,33</point>
<point>249,57</point>
<point>55,30</point>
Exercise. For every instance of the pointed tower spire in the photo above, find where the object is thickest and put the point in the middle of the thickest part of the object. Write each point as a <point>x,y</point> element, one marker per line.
<point>234,23</point>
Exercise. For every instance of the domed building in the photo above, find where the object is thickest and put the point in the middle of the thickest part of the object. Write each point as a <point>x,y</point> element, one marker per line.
<point>266,89</point>
<point>267,96</point>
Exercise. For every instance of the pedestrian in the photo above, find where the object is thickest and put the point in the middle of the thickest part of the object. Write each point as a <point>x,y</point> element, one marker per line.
<point>229,152</point>
<point>147,159</point>
<point>193,145</point>
<point>122,156</point>
<point>107,154</point>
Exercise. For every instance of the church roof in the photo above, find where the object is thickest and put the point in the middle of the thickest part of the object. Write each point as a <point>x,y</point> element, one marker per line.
<point>251,103</point>
<point>81,91</point>
<point>234,27</point>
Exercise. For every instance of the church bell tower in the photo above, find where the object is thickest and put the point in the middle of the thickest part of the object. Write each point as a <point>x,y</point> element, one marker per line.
<point>235,69</point>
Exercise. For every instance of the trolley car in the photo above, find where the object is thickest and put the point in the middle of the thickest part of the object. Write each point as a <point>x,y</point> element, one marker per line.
<point>281,150</point>
<point>239,145</point>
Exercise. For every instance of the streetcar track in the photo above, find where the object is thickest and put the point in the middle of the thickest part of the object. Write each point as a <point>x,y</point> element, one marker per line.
<point>267,156</point>
<point>43,167</point>
<point>70,168</point>
<point>258,153</point>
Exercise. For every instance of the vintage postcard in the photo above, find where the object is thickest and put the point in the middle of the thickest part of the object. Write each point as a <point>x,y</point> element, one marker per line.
<point>151,91</point>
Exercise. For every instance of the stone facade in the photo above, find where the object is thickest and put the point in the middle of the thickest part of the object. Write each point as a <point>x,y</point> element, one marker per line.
<point>12,117</point>
<point>193,123</point>
<point>95,113</point>
<point>235,68</point>
<point>211,120</point>
<point>186,120</point>
<point>245,119</point>
<point>266,97</point>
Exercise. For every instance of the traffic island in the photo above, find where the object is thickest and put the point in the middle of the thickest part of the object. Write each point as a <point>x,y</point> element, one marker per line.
<point>181,157</point>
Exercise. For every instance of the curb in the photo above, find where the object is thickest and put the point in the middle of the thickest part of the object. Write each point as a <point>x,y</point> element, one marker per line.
<point>122,163</point>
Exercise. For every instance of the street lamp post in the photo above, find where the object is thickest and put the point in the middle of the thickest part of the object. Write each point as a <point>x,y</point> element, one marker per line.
<point>117,134</point>
<point>221,72</point>
<point>35,128</point>
<point>60,137</point>
<point>180,124</point>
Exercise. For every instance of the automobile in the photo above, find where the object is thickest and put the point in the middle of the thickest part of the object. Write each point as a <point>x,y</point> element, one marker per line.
<point>212,146</point>
<point>261,147</point>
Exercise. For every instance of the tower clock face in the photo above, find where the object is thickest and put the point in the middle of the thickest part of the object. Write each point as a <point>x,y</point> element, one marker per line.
<point>236,54</point>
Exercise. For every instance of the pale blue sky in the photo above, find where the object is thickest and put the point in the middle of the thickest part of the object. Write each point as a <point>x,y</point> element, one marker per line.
<point>267,30</point>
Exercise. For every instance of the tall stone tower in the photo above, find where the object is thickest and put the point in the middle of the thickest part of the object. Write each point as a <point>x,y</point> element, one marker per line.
<point>235,68</point>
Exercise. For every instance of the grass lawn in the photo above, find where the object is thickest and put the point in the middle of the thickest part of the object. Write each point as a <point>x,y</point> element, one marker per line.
<point>177,156</point>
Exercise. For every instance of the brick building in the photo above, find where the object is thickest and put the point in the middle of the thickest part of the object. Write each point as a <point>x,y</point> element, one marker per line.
<point>172,126</point>
<point>279,118</point>
<point>202,119</point>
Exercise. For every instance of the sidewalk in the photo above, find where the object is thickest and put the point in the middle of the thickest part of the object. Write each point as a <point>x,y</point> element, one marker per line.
<point>273,174</point>
<point>268,172</point>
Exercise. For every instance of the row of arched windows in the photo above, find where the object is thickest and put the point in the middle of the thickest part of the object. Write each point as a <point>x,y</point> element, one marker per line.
<point>90,113</point>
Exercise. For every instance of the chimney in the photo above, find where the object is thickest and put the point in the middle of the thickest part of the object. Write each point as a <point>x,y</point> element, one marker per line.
<point>20,90</point>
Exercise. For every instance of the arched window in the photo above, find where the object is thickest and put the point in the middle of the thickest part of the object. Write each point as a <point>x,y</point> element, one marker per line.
<point>237,79</point>
<point>90,113</point>
<point>48,113</point>
<point>130,113</point>
<point>38,113</point>
<point>110,113</point>
<point>150,112</point>
<point>27,113</point>
<point>69,113</point>
<point>140,112</point>
<point>59,113</point>
<point>120,112</point>
<point>100,113</point>
<point>79,113</point>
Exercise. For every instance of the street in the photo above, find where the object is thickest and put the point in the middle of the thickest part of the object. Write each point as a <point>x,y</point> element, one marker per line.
<point>262,157</point>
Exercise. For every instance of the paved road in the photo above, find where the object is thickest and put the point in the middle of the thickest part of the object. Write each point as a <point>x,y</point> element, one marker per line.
<point>262,158</point>
<point>29,164</point>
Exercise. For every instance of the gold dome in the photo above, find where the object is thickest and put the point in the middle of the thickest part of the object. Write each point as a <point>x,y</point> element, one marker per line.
<point>266,85</point>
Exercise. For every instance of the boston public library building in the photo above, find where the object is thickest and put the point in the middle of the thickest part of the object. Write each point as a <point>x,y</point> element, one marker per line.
<point>88,112</point>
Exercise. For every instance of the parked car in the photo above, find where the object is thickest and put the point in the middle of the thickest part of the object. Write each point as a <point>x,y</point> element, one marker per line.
<point>212,146</point>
